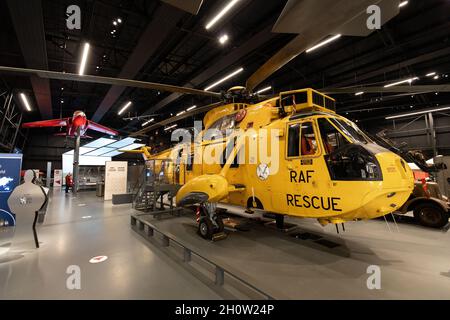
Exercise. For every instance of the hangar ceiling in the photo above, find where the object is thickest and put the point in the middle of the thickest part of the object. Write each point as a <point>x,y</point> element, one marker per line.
<point>160,43</point>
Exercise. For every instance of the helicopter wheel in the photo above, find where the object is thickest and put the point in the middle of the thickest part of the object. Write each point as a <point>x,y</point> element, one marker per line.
<point>430,215</point>
<point>206,227</point>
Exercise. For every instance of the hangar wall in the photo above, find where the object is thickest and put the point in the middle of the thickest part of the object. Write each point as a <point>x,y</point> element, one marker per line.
<point>417,133</point>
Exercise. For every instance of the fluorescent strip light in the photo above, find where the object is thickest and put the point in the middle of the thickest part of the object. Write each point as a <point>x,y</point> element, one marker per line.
<point>171,127</point>
<point>147,122</point>
<point>264,90</point>
<point>400,82</point>
<point>224,79</point>
<point>191,108</point>
<point>416,113</point>
<point>359,93</point>
<point>180,113</point>
<point>25,101</point>
<point>222,12</point>
<point>321,44</point>
<point>124,108</point>
<point>84,59</point>
<point>430,74</point>
<point>402,4</point>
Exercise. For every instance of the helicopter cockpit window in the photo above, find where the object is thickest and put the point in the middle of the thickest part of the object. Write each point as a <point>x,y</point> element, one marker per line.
<point>332,139</point>
<point>345,160</point>
<point>223,125</point>
<point>293,140</point>
<point>308,139</point>
<point>351,130</point>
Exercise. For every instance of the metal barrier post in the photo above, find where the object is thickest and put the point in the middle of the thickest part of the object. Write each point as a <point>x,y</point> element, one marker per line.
<point>187,255</point>
<point>220,276</point>
<point>149,231</point>
<point>165,240</point>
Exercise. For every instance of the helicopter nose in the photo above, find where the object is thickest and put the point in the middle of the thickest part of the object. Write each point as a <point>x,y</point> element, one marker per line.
<point>394,191</point>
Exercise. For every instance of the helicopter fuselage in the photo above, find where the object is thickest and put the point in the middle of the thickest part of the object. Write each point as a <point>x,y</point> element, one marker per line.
<point>294,158</point>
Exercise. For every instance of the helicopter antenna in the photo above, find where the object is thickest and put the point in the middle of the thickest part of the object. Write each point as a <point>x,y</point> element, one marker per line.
<point>387,223</point>
<point>395,222</point>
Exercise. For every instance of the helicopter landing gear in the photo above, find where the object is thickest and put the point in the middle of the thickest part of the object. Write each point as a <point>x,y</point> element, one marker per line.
<point>210,225</point>
<point>279,219</point>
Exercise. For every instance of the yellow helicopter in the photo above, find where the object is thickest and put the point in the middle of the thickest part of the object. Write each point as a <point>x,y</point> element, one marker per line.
<point>327,168</point>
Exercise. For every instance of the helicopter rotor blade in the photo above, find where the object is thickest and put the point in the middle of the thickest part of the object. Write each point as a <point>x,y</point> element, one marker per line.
<point>107,80</point>
<point>395,89</point>
<point>177,118</point>
<point>324,23</point>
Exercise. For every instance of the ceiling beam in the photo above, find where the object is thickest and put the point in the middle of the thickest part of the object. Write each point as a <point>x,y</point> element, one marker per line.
<point>28,21</point>
<point>157,31</point>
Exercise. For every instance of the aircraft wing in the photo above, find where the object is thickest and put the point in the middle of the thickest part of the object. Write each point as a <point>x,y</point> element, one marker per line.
<point>98,127</point>
<point>46,123</point>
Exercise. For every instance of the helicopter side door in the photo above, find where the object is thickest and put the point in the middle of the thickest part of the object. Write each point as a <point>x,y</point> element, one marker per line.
<point>304,174</point>
<point>306,182</point>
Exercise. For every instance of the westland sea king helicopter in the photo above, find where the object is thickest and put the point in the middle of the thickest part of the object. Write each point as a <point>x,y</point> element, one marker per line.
<point>327,168</point>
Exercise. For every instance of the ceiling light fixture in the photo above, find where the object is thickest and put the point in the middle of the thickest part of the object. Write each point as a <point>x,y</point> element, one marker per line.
<point>223,39</point>
<point>119,20</point>
<point>125,107</point>
<point>147,122</point>
<point>84,58</point>
<point>171,127</point>
<point>115,23</point>
<point>321,44</point>
<point>436,77</point>
<point>430,74</point>
<point>25,101</point>
<point>403,3</point>
<point>191,108</point>
<point>222,12</point>
<point>180,113</point>
<point>416,113</point>
<point>224,79</point>
<point>410,80</point>
<point>264,90</point>
<point>359,93</point>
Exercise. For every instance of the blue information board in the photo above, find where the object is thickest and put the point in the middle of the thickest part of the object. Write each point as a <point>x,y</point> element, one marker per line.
<point>10,166</point>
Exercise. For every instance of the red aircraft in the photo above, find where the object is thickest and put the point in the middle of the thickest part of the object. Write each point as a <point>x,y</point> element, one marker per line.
<point>78,120</point>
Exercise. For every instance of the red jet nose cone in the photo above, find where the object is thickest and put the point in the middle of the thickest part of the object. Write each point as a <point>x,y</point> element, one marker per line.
<point>79,121</point>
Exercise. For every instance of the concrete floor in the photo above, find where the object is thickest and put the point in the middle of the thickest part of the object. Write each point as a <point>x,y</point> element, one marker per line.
<point>134,269</point>
<point>414,261</point>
